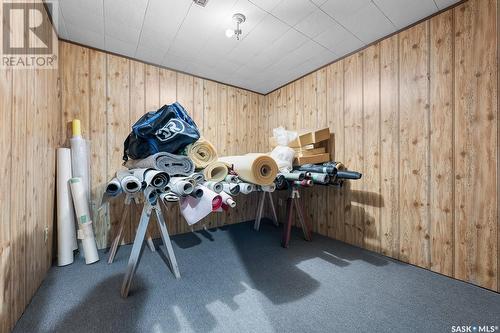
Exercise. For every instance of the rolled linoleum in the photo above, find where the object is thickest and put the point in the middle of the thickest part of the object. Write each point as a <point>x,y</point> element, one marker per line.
<point>216,171</point>
<point>113,187</point>
<point>268,188</point>
<point>202,153</point>
<point>246,188</point>
<point>180,186</point>
<point>258,169</point>
<point>174,165</point>
<point>66,231</point>
<point>214,186</point>
<point>195,209</point>
<point>129,182</point>
<point>227,202</point>
<point>231,188</point>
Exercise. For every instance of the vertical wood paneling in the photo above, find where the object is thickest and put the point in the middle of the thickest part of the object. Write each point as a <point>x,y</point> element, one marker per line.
<point>353,123</point>
<point>414,132</point>
<point>321,192</point>
<point>389,147</point>
<point>371,147</point>
<point>441,143</point>
<point>335,116</point>
<point>475,141</point>
<point>209,128</point>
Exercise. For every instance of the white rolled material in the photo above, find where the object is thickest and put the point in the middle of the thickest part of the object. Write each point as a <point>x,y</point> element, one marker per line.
<point>227,202</point>
<point>231,188</point>
<point>197,193</point>
<point>113,188</point>
<point>80,165</point>
<point>180,186</point>
<point>129,182</point>
<point>169,197</point>
<point>195,209</point>
<point>246,188</point>
<point>157,179</point>
<point>268,188</point>
<point>214,186</point>
<point>66,231</point>
<point>86,234</point>
<point>231,179</point>
<point>198,177</point>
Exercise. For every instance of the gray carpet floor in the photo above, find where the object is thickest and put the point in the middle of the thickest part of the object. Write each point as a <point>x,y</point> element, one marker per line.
<point>235,279</point>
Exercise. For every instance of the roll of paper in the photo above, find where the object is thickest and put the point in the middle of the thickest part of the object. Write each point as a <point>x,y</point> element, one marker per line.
<point>246,188</point>
<point>80,165</point>
<point>194,209</point>
<point>202,153</point>
<point>214,186</point>
<point>79,199</point>
<point>86,234</point>
<point>129,182</point>
<point>216,171</point>
<point>258,169</point>
<point>113,188</point>
<point>180,186</point>
<point>66,231</point>
<point>231,188</point>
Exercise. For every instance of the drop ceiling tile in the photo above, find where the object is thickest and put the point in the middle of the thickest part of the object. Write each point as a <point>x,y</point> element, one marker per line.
<point>165,16</point>
<point>293,11</point>
<point>333,36</point>
<point>82,17</point>
<point>340,9</point>
<point>347,46</point>
<point>118,30</point>
<point>150,55</point>
<point>405,12</point>
<point>318,2</point>
<point>57,19</point>
<point>129,13</point>
<point>375,24</point>
<point>267,5</point>
<point>315,23</point>
<point>84,36</point>
<point>91,6</point>
<point>120,47</point>
<point>442,4</point>
<point>285,44</point>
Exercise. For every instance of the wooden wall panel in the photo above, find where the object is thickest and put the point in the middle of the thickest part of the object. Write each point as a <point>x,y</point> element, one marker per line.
<point>389,146</point>
<point>476,113</point>
<point>417,114</point>
<point>441,143</point>
<point>414,146</point>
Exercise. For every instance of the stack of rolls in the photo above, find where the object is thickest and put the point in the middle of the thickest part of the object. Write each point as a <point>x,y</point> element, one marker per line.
<point>259,169</point>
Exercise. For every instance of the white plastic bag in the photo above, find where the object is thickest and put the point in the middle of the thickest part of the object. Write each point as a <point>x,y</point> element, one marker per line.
<point>283,137</point>
<point>284,158</point>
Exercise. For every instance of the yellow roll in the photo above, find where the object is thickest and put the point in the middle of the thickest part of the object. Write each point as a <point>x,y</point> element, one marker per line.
<point>215,171</point>
<point>76,127</point>
<point>258,169</point>
<point>202,153</point>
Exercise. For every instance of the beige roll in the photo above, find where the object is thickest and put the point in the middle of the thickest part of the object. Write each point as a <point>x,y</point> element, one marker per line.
<point>216,171</point>
<point>202,153</point>
<point>258,169</point>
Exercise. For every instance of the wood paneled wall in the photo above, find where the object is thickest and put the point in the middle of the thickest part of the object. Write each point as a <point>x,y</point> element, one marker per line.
<point>29,129</point>
<point>417,114</point>
<point>109,93</point>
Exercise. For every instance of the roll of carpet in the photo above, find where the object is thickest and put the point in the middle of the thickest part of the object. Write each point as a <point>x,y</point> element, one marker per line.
<point>231,179</point>
<point>198,177</point>
<point>195,209</point>
<point>129,182</point>
<point>304,183</point>
<point>202,153</point>
<point>258,169</point>
<point>231,188</point>
<point>197,193</point>
<point>214,186</point>
<point>66,231</point>
<point>155,178</point>
<point>169,197</point>
<point>320,178</point>
<point>227,202</point>
<point>246,188</point>
<point>180,186</point>
<point>281,182</point>
<point>299,175</point>
<point>80,157</point>
<point>268,188</point>
<point>216,171</point>
<point>174,165</point>
<point>85,232</point>
<point>113,187</point>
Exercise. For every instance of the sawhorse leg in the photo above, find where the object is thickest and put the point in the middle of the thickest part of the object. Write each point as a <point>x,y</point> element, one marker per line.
<point>260,210</point>
<point>166,240</point>
<point>293,201</point>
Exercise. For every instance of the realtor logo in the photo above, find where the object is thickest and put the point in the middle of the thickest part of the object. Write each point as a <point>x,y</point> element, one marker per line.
<point>28,39</point>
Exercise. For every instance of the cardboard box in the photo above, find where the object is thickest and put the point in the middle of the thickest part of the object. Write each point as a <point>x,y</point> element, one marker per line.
<point>309,137</point>
<point>314,159</point>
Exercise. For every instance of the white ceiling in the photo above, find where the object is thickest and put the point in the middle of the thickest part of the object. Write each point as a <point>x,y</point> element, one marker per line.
<point>282,39</point>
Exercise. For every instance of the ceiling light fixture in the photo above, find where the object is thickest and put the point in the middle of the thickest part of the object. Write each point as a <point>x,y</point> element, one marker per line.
<point>239,19</point>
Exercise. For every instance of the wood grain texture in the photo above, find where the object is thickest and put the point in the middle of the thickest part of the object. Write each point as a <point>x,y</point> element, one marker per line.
<point>441,143</point>
<point>476,113</point>
<point>389,146</point>
<point>371,147</point>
